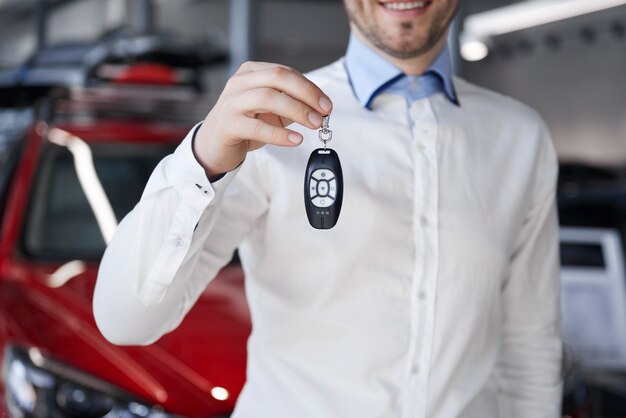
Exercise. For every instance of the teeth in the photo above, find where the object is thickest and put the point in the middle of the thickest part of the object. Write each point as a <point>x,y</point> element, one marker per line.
<point>405,6</point>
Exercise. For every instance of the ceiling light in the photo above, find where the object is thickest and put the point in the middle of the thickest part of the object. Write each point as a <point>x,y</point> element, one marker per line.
<point>523,15</point>
<point>474,50</point>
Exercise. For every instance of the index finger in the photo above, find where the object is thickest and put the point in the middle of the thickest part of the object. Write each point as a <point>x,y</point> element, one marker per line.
<point>250,66</point>
<point>290,82</point>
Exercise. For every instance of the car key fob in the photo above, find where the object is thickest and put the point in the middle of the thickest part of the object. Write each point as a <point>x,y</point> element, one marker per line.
<point>323,188</point>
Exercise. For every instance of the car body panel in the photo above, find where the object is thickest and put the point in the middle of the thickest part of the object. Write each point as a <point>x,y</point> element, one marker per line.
<point>179,371</point>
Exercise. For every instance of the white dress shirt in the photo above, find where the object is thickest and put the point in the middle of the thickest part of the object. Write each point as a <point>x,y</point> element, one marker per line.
<point>436,295</point>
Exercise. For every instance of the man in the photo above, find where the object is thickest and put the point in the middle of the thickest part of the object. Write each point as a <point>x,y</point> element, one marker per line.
<point>435,295</point>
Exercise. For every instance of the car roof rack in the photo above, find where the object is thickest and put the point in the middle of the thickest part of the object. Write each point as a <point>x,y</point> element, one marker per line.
<point>76,64</point>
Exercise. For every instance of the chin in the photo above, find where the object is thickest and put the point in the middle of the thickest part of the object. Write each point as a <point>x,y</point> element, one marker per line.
<point>408,49</point>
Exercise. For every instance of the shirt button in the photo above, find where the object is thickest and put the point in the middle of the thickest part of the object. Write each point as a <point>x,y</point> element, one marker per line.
<point>421,295</point>
<point>423,220</point>
<point>178,243</point>
<point>415,370</point>
<point>421,147</point>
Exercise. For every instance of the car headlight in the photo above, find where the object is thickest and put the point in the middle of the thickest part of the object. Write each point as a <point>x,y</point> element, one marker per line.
<point>37,386</point>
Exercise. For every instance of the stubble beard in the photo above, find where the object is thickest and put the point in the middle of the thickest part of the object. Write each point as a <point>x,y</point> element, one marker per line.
<point>406,48</point>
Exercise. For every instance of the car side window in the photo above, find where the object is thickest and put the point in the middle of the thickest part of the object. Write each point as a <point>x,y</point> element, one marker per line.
<point>13,124</point>
<point>60,223</point>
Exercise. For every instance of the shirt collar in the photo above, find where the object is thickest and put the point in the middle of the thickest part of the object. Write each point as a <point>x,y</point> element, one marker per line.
<point>371,74</point>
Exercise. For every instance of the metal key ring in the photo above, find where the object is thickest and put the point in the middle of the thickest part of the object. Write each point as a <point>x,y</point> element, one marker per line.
<point>325,135</point>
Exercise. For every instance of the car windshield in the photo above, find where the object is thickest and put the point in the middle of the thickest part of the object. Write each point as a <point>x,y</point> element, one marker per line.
<point>61,224</point>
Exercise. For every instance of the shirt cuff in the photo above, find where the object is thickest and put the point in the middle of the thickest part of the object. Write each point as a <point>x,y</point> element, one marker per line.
<point>188,177</point>
<point>196,193</point>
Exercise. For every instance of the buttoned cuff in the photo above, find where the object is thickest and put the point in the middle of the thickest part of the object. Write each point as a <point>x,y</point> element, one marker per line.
<point>196,193</point>
<point>189,179</point>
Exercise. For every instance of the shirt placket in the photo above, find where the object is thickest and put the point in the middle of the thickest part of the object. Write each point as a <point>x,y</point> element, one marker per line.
<point>423,290</point>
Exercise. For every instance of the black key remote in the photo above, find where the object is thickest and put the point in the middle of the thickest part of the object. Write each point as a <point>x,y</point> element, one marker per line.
<point>323,188</point>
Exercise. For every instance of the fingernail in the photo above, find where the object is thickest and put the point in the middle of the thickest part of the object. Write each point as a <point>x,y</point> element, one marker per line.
<point>294,138</point>
<point>325,104</point>
<point>315,119</point>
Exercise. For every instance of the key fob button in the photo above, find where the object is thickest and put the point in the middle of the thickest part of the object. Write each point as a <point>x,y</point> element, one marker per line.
<point>332,188</point>
<point>322,202</point>
<point>313,188</point>
<point>322,188</point>
<point>322,174</point>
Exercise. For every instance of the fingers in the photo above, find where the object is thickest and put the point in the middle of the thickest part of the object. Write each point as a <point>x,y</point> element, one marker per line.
<point>261,131</point>
<point>268,100</point>
<point>250,66</point>
<point>282,79</point>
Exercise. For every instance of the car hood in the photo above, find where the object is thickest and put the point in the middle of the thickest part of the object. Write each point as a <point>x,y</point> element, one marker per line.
<point>179,372</point>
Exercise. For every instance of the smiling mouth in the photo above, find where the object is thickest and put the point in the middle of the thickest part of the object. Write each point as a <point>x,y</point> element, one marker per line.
<point>405,5</point>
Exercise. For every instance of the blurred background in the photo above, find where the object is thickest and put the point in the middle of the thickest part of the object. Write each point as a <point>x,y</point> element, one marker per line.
<point>93,93</point>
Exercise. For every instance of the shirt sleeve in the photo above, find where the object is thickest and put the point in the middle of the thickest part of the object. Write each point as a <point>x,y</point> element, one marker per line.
<point>157,265</point>
<point>529,367</point>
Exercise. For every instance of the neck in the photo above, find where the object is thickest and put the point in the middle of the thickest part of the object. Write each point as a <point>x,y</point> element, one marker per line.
<point>409,66</point>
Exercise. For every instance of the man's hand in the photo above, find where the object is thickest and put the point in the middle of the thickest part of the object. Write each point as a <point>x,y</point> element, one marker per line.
<point>258,102</point>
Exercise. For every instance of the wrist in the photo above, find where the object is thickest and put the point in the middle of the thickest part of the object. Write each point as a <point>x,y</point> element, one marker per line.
<point>212,175</point>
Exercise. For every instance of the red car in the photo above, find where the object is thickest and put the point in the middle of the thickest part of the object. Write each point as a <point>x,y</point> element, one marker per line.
<point>71,146</point>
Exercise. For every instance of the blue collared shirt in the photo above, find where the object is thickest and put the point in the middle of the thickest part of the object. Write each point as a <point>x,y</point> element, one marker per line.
<point>370,74</point>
